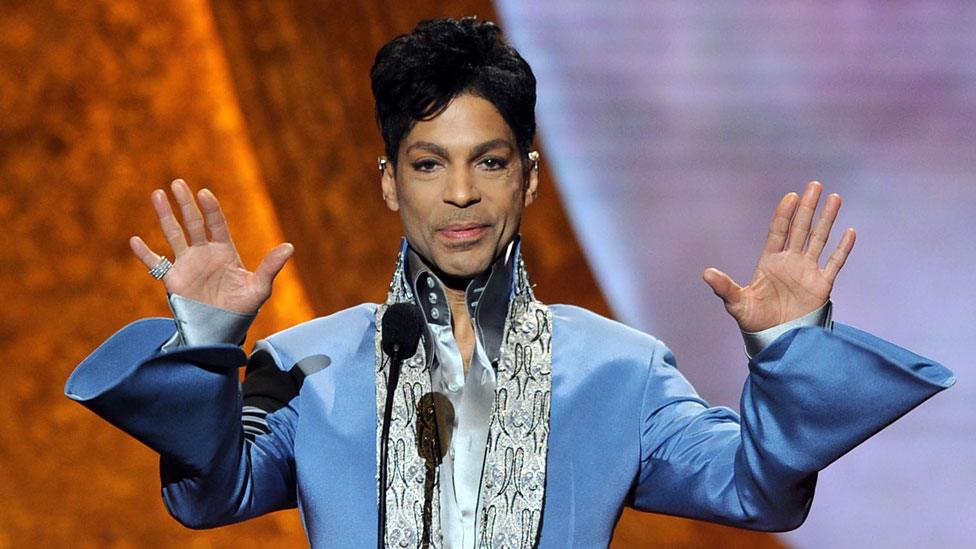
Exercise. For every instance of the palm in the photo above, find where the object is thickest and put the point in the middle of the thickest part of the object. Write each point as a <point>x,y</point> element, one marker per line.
<point>783,287</point>
<point>788,281</point>
<point>213,273</point>
<point>209,270</point>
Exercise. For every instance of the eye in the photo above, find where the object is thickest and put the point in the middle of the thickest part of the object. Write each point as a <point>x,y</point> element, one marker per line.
<point>426,165</point>
<point>493,163</point>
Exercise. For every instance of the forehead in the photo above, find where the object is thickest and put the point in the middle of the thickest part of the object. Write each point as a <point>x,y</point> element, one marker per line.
<point>468,121</point>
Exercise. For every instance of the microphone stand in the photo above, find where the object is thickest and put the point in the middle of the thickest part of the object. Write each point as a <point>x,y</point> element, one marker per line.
<point>392,379</point>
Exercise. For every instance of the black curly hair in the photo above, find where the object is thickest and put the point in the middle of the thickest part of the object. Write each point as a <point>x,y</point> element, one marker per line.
<point>415,76</point>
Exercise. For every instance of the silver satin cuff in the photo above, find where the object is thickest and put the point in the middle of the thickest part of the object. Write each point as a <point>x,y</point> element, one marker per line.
<point>201,324</point>
<point>757,341</point>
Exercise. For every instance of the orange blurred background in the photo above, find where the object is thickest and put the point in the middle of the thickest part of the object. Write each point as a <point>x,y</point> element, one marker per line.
<point>268,105</point>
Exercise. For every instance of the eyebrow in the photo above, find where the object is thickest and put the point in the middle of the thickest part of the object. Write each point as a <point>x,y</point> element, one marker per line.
<point>489,145</point>
<point>429,147</point>
<point>477,151</point>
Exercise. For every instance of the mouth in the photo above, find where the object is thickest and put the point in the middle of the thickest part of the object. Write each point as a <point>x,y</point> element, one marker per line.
<point>463,232</point>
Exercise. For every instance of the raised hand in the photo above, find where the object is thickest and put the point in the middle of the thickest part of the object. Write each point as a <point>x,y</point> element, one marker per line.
<point>208,270</point>
<point>788,281</point>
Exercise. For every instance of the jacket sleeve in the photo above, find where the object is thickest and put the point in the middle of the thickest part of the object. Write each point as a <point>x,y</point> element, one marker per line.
<point>810,397</point>
<point>186,404</point>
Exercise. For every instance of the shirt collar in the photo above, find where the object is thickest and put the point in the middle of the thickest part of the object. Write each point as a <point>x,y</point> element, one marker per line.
<point>487,295</point>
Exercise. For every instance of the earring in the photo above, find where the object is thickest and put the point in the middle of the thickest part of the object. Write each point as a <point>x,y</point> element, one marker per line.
<point>534,157</point>
<point>381,163</point>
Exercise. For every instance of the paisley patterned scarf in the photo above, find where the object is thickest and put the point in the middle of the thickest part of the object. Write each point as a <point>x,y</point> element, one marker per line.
<point>513,480</point>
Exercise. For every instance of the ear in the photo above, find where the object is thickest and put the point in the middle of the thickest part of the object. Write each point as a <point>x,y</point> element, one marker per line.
<point>532,179</point>
<point>388,184</point>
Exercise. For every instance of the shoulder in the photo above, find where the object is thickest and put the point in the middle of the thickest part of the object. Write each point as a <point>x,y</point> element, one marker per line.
<point>624,361</point>
<point>339,333</point>
<point>574,323</point>
<point>590,344</point>
<point>353,319</point>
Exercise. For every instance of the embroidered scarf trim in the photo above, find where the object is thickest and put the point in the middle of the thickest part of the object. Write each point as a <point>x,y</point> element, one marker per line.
<point>512,490</point>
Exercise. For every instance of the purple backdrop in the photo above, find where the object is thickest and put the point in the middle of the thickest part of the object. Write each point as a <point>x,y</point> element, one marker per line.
<point>673,128</point>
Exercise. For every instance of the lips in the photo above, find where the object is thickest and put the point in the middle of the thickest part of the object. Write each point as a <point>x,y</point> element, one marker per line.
<point>463,231</point>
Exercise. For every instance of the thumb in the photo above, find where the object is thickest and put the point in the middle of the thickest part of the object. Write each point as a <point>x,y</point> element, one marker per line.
<point>723,285</point>
<point>272,263</point>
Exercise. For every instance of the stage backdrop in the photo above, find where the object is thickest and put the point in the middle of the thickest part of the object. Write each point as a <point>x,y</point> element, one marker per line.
<point>673,128</point>
<point>268,105</point>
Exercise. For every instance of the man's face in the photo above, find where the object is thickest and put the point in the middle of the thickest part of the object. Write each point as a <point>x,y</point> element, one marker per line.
<point>460,187</point>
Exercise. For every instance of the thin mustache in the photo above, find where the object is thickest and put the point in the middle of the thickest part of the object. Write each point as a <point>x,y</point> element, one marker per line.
<point>461,220</point>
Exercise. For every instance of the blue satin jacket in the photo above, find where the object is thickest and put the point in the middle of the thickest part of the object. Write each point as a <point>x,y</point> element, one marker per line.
<point>626,427</point>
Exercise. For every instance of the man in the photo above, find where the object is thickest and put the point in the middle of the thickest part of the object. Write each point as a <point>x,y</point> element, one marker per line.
<point>514,424</point>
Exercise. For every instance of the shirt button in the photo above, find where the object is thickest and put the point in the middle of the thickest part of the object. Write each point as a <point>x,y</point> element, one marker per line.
<point>430,281</point>
<point>452,453</point>
<point>432,297</point>
<point>453,387</point>
<point>435,314</point>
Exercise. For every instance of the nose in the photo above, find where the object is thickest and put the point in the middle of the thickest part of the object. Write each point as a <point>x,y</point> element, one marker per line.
<point>461,189</point>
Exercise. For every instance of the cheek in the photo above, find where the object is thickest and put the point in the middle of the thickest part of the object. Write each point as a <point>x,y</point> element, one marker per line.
<point>412,220</point>
<point>415,214</point>
<point>409,195</point>
<point>514,200</point>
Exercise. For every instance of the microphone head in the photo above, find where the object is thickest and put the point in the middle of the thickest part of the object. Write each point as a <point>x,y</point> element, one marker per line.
<point>402,325</point>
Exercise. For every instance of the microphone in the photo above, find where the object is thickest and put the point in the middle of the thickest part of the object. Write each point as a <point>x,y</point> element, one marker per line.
<point>401,329</point>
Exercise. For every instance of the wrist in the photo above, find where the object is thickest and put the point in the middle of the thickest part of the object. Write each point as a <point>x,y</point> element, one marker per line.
<point>755,342</point>
<point>201,324</point>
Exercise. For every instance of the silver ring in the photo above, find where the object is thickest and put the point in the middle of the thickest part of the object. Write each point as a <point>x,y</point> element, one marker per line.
<point>160,269</point>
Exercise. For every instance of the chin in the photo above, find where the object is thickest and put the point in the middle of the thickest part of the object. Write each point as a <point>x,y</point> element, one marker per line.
<point>463,267</point>
<point>464,271</point>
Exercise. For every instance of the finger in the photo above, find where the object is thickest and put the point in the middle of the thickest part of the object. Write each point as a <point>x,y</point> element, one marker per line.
<point>168,222</point>
<point>142,251</point>
<point>216,222</point>
<point>272,263</point>
<point>780,226</point>
<point>192,219</point>
<point>837,259</point>
<point>800,227</point>
<point>723,285</point>
<point>820,234</point>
